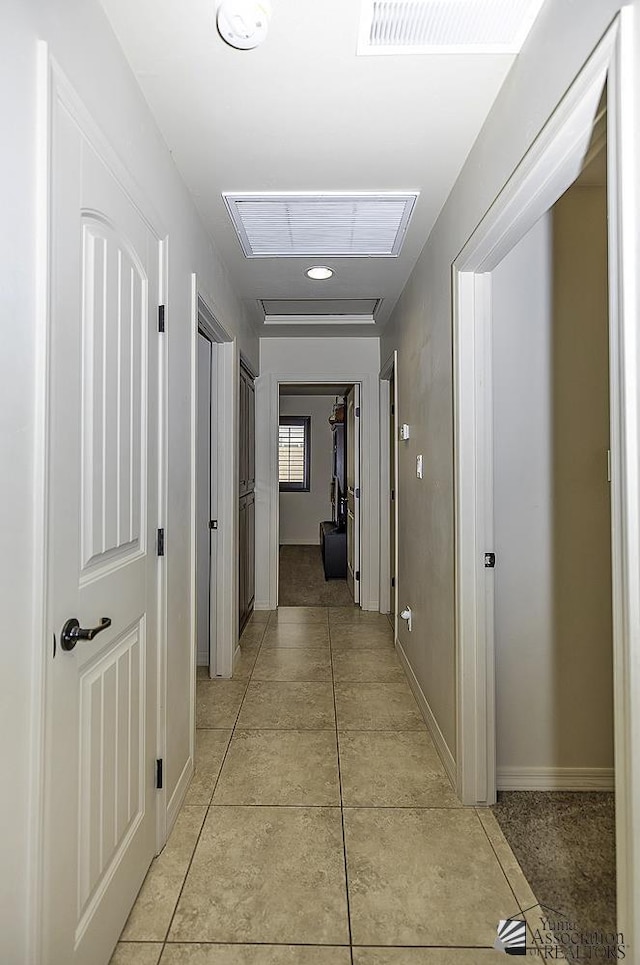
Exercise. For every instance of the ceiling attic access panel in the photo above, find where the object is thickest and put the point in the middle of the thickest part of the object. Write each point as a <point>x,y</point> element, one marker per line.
<point>362,225</point>
<point>319,311</point>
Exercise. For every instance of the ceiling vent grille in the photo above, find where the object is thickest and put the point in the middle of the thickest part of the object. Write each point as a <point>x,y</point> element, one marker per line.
<point>319,311</point>
<point>321,225</point>
<point>445,26</point>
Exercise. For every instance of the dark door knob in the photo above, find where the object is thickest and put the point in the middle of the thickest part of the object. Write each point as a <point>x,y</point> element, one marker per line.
<point>72,632</point>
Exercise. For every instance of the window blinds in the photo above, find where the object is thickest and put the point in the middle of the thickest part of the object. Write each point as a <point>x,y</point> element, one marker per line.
<point>291,454</point>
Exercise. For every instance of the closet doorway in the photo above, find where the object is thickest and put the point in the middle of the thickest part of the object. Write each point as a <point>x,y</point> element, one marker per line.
<point>206,502</point>
<point>319,494</point>
<point>213,492</point>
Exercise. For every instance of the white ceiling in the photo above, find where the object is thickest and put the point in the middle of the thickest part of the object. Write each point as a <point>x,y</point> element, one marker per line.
<point>304,113</point>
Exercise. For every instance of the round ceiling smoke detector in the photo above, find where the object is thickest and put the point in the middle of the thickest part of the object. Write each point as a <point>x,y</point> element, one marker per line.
<point>243,23</point>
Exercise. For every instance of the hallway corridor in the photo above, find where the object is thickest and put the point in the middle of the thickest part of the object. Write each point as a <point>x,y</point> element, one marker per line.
<point>320,827</point>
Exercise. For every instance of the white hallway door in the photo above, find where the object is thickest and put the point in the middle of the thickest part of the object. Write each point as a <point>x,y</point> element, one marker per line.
<point>100,824</point>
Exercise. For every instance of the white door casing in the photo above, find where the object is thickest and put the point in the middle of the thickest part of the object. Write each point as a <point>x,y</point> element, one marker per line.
<point>223,493</point>
<point>103,469</point>
<point>551,165</point>
<point>353,491</point>
<point>389,487</point>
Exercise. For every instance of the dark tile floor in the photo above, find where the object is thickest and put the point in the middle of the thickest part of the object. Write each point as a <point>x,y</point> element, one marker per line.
<point>302,582</point>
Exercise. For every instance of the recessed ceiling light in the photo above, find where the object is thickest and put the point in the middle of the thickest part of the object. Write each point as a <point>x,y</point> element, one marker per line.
<point>319,272</point>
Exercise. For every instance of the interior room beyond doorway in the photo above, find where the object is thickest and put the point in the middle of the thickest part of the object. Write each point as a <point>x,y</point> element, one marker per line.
<point>319,494</point>
<point>552,537</point>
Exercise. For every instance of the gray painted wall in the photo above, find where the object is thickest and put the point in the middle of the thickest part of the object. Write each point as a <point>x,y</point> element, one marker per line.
<point>554,684</point>
<point>420,329</point>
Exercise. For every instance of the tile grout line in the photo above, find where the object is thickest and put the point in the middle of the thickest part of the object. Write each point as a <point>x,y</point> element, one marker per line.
<point>502,868</point>
<point>506,876</point>
<point>208,807</point>
<point>344,839</point>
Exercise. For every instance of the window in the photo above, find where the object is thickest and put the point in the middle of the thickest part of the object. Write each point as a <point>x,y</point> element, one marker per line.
<point>294,451</point>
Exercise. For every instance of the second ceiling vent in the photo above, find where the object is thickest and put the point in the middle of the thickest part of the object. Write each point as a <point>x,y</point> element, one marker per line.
<point>321,225</point>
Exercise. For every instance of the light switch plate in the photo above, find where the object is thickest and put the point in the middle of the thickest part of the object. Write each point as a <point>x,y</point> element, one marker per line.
<point>419,466</point>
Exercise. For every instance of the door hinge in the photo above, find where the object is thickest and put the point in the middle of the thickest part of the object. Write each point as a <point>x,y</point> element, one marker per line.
<point>357,493</point>
<point>161,542</point>
<point>357,576</point>
<point>393,409</point>
<point>161,318</point>
<point>357,412</point>
<point>393,581</point>
<point>213,524</point>
<point>393,495</point>
<point>489,560</point>
<point>159,775</point>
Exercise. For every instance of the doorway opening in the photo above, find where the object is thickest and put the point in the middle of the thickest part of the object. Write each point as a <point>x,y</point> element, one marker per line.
<point>319,494</point>
<point>389,489</point>
<point>551,166</point>
<point>552,544</point>
<point>206,501</point>
<point>213,493</point>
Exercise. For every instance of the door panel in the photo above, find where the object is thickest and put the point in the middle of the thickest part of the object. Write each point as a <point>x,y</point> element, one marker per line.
<point>113,376</point>
<point>103,474</point>
<point>353,492</point>
<point>111,792</point>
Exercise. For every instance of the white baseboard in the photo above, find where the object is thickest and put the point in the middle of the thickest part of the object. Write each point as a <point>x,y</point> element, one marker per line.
<point>179,793</point>
<point>432,724</point>
<point>555,778</point>
<point>301,542</point>
<point>262,605</point>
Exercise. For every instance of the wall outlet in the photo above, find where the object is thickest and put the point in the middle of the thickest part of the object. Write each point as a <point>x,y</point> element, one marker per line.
<point>419,466</point>
<point>404,432</point>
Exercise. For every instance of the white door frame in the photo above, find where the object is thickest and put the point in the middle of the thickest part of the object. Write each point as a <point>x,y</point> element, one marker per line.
<point>547,170</point>
<point>388,371</point>
<point>210,456</point>
<point>369,500</point>
<point>225,630</point>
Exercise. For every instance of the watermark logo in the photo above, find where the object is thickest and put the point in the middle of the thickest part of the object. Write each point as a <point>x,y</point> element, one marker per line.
<point>512,936</point>
<point>557,938</point>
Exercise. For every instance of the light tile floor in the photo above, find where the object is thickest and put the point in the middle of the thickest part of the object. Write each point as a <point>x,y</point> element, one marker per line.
<point>320,827</point>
